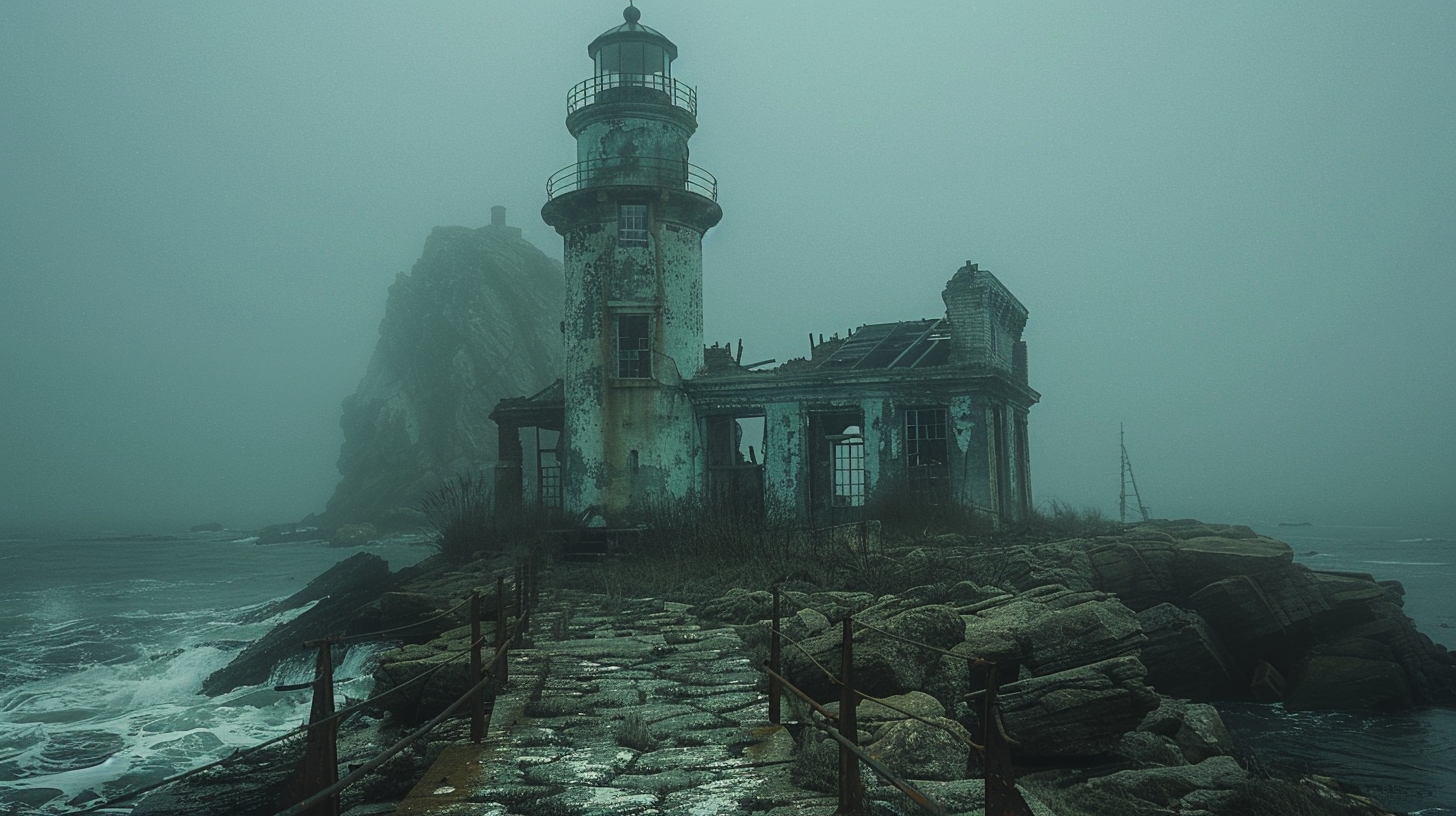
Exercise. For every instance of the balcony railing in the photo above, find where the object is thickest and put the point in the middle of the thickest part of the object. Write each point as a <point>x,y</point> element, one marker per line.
<point>633,170</point>
<point>663,90</point>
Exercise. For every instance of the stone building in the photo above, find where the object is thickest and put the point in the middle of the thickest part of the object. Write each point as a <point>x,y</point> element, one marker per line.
<point>645,413</point>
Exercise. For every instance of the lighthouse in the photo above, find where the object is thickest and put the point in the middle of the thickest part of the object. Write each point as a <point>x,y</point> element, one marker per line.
<point>632,211</point>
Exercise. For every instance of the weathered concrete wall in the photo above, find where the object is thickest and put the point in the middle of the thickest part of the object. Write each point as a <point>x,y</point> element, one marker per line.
<point>631,442</point>
<point>644,134</point>
<point>785,457</point>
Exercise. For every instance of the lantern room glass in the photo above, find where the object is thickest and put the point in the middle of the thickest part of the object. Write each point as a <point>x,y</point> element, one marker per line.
<point>633,58</point>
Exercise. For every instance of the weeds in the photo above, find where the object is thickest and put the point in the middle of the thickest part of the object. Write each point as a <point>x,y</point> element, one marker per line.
<point>632,732</point>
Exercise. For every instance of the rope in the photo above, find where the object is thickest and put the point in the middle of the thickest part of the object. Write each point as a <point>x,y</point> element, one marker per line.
<point>912,642</point>
<point>836,681</point>
<point>238,754</point>
<point>368,635</point>
<point>242,752</point>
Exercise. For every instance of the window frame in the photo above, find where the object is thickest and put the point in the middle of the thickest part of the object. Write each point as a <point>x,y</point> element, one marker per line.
<point>632,221</point>
<point>634,362</point>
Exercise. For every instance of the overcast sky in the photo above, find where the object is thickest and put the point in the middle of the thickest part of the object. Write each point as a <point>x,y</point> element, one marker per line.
<point>1234,225</point>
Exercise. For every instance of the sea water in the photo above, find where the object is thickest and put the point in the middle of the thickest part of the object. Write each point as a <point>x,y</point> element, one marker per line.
<point>104,646</point>
<point>1407,759</point>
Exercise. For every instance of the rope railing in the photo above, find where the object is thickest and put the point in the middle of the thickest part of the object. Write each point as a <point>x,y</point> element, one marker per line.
<point>493,670</point>
<point>1002,796</point>
<point>374,635</point>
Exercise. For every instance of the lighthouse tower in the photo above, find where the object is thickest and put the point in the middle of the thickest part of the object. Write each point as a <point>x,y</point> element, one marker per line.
<point>632,212</point>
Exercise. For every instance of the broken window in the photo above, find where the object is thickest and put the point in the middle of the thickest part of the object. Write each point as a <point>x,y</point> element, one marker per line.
<point>849,468</point>
<point>548,469</point>
<point>632,225</point>
<point>735,461</point>
<point>927,454</point>
<point>634,346</point>
<point>838,482</point>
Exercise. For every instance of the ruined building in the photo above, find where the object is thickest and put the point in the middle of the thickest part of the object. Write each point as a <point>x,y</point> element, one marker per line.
<point>644,413</point>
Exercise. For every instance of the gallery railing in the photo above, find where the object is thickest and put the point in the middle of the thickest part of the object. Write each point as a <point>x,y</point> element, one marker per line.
<point>654,88</point>
<point>633,171</point>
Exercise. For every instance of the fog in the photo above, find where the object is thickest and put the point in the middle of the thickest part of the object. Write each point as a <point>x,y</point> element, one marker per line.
<point>1234,225</point>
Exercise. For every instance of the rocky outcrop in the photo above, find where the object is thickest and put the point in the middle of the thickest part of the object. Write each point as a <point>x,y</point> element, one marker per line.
<point>1078,712</point>
<point>477,319</point>
<point>347,597</point>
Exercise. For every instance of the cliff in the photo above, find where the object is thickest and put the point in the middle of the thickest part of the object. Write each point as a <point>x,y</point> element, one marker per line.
<point>477,319</point>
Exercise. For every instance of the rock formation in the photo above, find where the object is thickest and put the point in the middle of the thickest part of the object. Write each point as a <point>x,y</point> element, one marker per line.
<point>477,319</point>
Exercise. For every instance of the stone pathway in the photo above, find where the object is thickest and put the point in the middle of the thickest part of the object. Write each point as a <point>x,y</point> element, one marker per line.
<point>620,708</point>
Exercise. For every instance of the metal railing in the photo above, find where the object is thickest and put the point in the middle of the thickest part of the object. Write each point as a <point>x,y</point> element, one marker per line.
<point>993,748</point>
<point>633,170</point>
<point>315,784</point>
<point>656,88</point>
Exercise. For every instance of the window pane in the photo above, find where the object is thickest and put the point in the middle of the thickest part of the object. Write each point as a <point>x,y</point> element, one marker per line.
<point>632,58</point>
<point>634,346</point>
<point>632,225</point>
<point>653,60</point>
<point>609,58</point>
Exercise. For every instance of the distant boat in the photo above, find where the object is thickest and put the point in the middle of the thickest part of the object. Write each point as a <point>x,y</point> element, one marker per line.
<point>1295,524</point>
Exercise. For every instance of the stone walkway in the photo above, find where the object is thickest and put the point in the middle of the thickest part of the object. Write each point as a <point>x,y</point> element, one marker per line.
<point>623,707</point>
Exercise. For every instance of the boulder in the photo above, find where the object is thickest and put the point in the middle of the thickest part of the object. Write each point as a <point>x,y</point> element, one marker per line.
<point>1202,734</point>
<point>919,750</point>
<point>350,607</point>
<point>1077,712</point>
<point>1167,787</point>
<point>442,656</point>
<point>1183,656</point>
<point>739,605</point>
<point>883,666</point>
<point>1051,628</point>
<point>1333,680</point>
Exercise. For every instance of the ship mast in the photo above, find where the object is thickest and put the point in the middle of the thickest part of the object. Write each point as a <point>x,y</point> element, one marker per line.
<point>1128,479</point>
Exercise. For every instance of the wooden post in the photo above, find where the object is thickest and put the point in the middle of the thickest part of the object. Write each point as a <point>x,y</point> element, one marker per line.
<point>774,658</point>
<point>477,703</point>
<point>501,667</point>
<point>320,766</point>
<point>1002,797</point>
<point>851,796</point>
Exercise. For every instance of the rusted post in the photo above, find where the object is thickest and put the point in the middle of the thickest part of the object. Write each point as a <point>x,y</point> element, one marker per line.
<point>774,691</point>
<point>501,666</point>
<point>1002,797</point>
<point>520,605</point>
<point>477,703</point>
<point>851,795</point>
<point>320,766</point>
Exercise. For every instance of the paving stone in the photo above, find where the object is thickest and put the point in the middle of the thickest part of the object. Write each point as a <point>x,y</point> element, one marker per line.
<point>599,801</point>
<point>686,759</point>
<point>693,721</point>
<point>584,766</point>
<point>731,701</point>
<point>721,796</point>
<point>663,781</point>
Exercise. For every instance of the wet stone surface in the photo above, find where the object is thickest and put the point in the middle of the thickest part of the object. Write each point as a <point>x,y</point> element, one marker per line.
<point>644,710</point>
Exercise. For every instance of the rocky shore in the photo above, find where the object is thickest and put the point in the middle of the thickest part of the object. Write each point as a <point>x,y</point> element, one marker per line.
<point>1110,649</point>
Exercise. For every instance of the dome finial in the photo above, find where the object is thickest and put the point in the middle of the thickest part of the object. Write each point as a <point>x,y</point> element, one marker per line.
<point>631,13</point>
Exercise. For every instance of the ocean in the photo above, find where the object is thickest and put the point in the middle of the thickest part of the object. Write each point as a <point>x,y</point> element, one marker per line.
<point>104,645</point>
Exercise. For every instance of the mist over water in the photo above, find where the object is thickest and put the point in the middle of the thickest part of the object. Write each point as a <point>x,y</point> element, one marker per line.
<point>104,647</point>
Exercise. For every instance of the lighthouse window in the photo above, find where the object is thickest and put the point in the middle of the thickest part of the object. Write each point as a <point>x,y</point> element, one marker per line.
<point>634,346</point>
<point>632,225</point>
<point>631,58</point>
